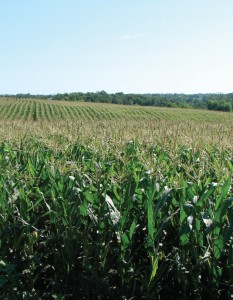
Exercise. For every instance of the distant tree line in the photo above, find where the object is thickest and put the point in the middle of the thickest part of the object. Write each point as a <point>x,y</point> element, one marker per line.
<point>221,102</point>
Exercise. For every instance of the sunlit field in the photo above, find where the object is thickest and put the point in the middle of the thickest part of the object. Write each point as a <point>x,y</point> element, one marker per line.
<point>103,201</point>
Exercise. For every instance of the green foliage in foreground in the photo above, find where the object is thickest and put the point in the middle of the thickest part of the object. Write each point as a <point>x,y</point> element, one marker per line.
<point>77,224</point>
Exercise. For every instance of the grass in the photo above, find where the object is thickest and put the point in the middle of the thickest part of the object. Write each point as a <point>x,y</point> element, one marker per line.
<point>97,202</point>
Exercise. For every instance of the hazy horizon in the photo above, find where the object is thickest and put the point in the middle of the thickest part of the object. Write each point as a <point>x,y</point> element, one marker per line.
<point>118,92</point>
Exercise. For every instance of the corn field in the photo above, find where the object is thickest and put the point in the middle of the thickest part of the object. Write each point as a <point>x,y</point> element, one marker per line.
<point>29,109</point>
<point>114,202</point>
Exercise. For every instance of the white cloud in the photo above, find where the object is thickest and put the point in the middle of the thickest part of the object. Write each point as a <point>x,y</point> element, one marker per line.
<point>130,36</point>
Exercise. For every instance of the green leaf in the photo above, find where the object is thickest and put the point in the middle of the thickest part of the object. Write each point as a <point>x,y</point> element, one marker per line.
<point>89,197</point>
<point>132,228</point>
<point>83,208</point>
<point>218,247</point>
<point>150,222</point>
<point>31,168</point>
<point>205,196</point>
<point>224,192</point>
<point>124,241</point>
<point>155,263</point>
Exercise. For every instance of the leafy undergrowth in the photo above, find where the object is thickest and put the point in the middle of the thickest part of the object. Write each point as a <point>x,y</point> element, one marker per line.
<point>139,223</point>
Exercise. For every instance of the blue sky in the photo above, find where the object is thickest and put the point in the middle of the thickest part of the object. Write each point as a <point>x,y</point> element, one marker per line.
<point>138,46</point>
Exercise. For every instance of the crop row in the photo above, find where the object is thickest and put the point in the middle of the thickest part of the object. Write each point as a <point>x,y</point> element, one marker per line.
<point>26,109</point>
